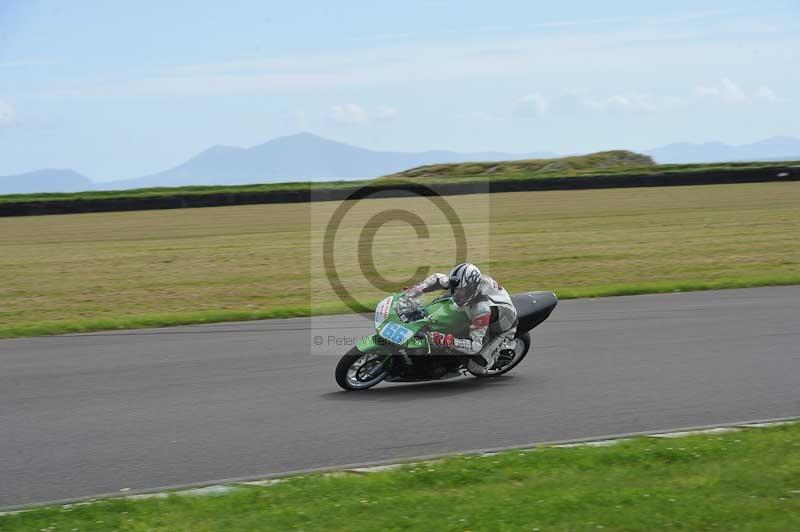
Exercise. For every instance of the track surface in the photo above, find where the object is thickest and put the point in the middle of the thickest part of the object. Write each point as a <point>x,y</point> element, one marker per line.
<point>95,413</point>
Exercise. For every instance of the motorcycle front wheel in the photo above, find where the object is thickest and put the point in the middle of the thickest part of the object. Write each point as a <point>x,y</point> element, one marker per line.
<point>358,371</point>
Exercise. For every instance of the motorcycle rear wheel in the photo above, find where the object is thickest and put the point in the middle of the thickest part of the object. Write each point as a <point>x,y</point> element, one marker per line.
<point>358,371</point>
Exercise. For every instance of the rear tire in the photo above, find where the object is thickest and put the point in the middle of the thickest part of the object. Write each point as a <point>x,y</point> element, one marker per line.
<point>358,371</point>
<point>521,349</point>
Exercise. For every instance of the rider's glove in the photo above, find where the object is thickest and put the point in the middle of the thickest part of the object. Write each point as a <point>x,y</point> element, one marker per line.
<point>448,340</point>
<point>441,339</point>
<point>412,291</point>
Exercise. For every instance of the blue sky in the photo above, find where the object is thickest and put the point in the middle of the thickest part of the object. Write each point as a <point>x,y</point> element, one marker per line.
<point>122,89</point>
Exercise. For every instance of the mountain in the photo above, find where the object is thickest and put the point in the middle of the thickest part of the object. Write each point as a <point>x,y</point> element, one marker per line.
<point>771,149</point>
<point>300,157</point>
<point>308,157</point>
<point>48,180</point>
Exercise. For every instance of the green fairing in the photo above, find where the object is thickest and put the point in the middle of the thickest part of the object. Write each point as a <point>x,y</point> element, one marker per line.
<point>368,344</point>
<point>441,315</point>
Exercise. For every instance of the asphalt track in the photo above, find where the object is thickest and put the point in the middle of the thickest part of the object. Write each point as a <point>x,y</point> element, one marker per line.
<point>97,413</point>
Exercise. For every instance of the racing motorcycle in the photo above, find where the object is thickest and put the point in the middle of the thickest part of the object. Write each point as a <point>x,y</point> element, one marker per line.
<point>400,351</point>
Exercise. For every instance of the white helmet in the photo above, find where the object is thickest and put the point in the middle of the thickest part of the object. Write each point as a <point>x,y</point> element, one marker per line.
<point>465,279</point>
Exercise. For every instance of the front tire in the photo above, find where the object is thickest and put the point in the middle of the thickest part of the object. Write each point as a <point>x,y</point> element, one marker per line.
<point>358,371</point>
<point>521,348</point>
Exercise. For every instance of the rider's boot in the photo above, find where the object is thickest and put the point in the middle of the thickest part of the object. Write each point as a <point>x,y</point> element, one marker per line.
<point>484,361</point>
<point>481,363</point>
<point>478,365</point>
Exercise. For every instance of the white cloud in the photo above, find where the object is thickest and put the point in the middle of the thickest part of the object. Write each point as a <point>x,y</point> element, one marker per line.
<point>385,113</point>
<point>485,116</point>
<point>632,102</point>
<point>296,121</point>
<point>534,103</point>
<point>570,101</point>
<point>668,47</point>
<point>7,113</point>
<point>727,91</point>
<point>349,114</point>
<point>352,114</point>
<point>765,93</point>
<point>732,91</point>
<point>581,100</point>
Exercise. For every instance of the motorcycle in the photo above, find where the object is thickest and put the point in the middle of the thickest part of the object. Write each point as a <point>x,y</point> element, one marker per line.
<point>400,350</point>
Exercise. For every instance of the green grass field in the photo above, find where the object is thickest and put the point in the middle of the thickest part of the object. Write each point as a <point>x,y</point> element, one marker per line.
<point>748,480</point>
<point>111,270</point>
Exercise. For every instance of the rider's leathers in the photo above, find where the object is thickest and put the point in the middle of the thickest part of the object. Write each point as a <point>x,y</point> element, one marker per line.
<point>486,337</point>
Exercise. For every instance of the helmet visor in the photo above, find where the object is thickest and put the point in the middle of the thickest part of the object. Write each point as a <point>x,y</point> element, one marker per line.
<point>463,295</point>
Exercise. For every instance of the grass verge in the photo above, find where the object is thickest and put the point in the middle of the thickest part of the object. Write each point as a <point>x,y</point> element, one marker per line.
<point>198,318</point>
<point>747,480</point>
<point>100,271</point>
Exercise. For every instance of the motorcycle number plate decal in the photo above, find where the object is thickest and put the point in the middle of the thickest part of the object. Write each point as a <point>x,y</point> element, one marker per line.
<point>397,334</point>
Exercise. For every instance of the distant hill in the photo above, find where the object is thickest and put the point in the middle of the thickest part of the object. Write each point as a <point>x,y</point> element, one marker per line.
<point>771,149</point>
<point>47,180</point>
<point>531,167</point>
<point>308,157</point>
<point>301,157</point>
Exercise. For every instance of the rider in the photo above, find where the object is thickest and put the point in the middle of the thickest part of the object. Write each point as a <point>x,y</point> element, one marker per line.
<point>492,314</point>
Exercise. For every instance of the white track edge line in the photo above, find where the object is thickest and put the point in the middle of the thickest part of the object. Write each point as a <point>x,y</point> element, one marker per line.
<point>9,510</point>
